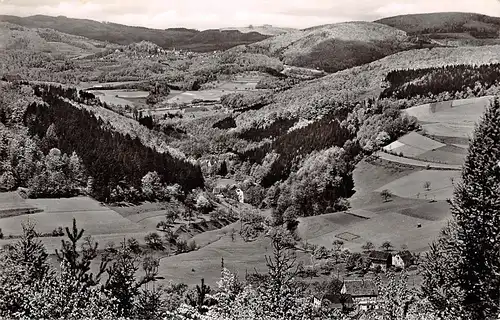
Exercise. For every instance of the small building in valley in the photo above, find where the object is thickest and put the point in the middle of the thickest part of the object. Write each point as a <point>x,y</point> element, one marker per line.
<point>364,293</point>
<point>382,259</point>
<point>333,301</point>
<point>403,259</point>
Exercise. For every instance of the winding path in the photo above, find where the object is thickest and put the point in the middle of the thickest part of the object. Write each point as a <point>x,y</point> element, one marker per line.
<point>418,163</point>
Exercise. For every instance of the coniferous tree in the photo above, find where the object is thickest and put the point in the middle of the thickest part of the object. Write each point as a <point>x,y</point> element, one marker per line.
<point>78,262</point>
<point>30,253</point>
<point>200,299</point>
<point>469,251</point>
<point>122,283</point>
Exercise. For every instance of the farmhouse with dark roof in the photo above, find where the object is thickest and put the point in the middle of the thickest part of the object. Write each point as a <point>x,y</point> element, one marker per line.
<point>364,293</point>
<point>380,259</point>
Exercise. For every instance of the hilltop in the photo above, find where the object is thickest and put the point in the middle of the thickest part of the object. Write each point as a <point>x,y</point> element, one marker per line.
<point>334,47</point>
<point>179,38</point>
<point>15,37</point>
<point>442,25</point>
<point>264,29</point>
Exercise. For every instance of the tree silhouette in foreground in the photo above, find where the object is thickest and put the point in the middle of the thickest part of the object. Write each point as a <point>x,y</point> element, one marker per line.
<point>462,271</point>
<point>79,261</point>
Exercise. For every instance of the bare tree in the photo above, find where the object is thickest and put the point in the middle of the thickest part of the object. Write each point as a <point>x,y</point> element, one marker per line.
<point>427,185</point>
<point>282,266</point>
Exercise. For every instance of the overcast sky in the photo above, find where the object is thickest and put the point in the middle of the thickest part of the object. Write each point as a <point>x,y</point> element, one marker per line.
<point>205,14</point>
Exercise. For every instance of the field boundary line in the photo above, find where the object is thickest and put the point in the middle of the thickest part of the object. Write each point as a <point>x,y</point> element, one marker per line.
<point>357,215</point>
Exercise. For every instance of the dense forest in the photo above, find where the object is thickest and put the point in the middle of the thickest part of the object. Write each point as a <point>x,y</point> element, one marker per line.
<point>447,24</point>
<point>299,143</point>
<point>407,84</point>
<point>112,159</point>
<point>308,170</point>
<point>278,128</point>
<point>347,54</point>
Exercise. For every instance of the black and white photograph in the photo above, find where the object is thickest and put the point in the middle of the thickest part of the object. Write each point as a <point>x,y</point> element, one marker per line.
<point>249,160</point>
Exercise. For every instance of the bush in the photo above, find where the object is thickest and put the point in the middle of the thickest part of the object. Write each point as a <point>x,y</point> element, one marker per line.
<point>154,241</point>
<point>58,232</point>
<point>170,237</point>
<point>134,246</point>
<point>171,216</point>
<point>386,195</point>
<point>192,246</point>
<point>203,204</point>
<point>182,246</point>
<point>321,253</point>
<point>219,213</point>
<point>162,225</point>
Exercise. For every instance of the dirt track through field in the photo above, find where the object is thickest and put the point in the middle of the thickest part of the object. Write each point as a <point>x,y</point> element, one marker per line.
<point>418,163</point>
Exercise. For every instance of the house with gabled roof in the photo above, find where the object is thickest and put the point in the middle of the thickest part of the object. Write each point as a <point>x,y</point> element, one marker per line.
<point>333,301</point>
<point>364,293</point>
<point>382,259</point>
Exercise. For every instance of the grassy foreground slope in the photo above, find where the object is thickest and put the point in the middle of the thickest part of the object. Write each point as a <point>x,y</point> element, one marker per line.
<point>334,47</point>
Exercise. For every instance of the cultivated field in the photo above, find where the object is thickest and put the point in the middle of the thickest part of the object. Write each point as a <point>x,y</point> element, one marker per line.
<point>90,215</point>
<point>448,126</point>
<point>205,263</point>
<point>215,90</point>
<point>189,96</point>
<point>450,118</point>
<point>413,144</point>
<point>412,185</point>
<point>400,229</point>
<point>12,204</point>
<point>54,243</point>
<point>418,163</point>
<point>122,97</point>
<point>369,176</point>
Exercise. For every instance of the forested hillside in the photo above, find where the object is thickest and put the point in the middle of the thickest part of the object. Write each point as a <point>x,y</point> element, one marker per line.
<point>114,162</point>
<point>287,157</point>
<point>180,38</point>
<point>312,98</point>
<point>455,80</point>
<point>433,24</point>
<point>334,47</point>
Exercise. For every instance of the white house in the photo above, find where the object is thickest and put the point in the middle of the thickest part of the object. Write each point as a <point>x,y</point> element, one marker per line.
<point>402,260</point>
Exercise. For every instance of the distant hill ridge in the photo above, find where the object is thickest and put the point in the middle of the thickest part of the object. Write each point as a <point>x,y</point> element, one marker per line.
<point>179,38</point>
<point>334,47</point>
<point>477,25</point>
<point>263,29</point>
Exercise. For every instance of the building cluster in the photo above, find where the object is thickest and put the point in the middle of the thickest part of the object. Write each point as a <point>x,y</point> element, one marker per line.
<point>362,294</point>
